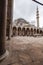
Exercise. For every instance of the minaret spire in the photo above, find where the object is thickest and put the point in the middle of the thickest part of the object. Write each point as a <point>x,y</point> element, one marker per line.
<point>37,17</point>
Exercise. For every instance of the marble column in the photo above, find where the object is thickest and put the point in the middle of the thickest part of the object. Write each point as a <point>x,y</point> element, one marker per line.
<point>9,18</point>
<point>3,18</point>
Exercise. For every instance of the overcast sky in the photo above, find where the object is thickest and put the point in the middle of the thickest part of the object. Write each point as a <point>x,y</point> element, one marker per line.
<point>27,9</point>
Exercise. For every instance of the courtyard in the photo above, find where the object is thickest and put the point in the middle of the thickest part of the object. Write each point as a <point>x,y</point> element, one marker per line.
<point>24,51</point>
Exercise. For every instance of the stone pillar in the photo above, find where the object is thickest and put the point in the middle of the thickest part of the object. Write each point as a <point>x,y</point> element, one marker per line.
<point>9,18</point>
<point>3,18</point>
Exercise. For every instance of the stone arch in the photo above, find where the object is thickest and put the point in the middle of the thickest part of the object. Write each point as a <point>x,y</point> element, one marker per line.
<point>35,31</point>
<point>41,32</point>
<point>14,30</point>
<point>19,31</point>
<point>23,31</point>
<point>27,31</point>
<point>31,31</point>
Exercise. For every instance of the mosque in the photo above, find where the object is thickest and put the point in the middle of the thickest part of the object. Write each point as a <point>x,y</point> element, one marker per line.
<point>23,28</point>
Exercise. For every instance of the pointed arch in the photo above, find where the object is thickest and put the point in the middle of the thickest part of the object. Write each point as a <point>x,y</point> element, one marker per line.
<point>14,30</point>
<point>19,31</point>
<point>35,31</point>
<point>27,31</point>
<point>31,31</point>
<point>23,31</point>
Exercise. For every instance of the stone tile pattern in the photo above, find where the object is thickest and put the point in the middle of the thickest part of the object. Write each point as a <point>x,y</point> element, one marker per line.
<point>24,52</point>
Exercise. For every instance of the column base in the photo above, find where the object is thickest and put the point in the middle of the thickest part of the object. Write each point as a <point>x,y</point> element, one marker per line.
<point>4,55</point>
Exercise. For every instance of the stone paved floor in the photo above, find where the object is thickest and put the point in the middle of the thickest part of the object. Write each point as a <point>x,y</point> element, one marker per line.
<point>24,51</point>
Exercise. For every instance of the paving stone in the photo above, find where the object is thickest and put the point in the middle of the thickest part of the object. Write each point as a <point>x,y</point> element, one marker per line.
<point>24,51</point>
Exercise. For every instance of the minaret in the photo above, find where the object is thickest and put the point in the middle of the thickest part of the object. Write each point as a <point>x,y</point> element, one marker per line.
<point>37,17</point>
